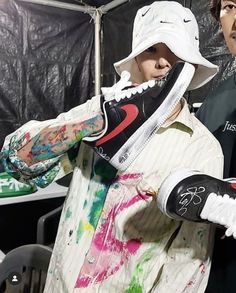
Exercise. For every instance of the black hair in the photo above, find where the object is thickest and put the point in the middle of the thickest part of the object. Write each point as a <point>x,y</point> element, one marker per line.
<point>215,6</point>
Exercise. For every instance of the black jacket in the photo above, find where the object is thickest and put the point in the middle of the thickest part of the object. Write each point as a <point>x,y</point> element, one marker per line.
<point>218,114</point>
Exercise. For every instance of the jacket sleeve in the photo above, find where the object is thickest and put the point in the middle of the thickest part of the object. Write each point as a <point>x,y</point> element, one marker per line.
<point>50,168</point>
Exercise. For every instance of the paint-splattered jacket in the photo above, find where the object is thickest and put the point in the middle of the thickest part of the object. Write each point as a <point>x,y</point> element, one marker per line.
<point>112,237</point>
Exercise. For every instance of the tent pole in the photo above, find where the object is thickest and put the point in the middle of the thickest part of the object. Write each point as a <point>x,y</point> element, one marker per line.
<point>97,52</point>
<point>97,15</point>
<point>68,6</point>
<point>111,5</point>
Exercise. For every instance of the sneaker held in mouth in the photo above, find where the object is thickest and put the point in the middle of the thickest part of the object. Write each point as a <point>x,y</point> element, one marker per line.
<point>134,115</point>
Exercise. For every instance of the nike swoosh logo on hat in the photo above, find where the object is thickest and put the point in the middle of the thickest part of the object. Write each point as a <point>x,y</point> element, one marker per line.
<point>187,20</point>
<point>146,12</point>
<point>131,111</point>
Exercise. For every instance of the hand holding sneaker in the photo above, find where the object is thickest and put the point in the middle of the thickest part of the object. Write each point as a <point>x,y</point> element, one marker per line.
<point>190,195</point>
<point>59,137</point>
<point>131,117</point>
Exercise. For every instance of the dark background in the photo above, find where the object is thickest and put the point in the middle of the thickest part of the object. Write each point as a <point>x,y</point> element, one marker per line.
<point>47,56</point>
<point>47,67</point>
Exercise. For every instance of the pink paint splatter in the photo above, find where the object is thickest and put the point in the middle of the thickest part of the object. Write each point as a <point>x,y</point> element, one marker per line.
<point>27,136</point>
<point>202,268</point>
<point>129,176</point>
<point>108,254</point>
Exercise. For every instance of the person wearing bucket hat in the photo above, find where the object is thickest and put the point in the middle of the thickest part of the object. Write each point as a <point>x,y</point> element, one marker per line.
<point>172,32</point>
<point>174,26</point>
<point>112,235</point>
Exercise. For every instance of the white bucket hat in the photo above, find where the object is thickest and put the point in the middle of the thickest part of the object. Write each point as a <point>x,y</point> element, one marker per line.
<point>170,23</point>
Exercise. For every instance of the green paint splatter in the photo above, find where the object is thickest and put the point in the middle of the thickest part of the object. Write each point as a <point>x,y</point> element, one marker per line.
<point>47,178</point>
<point>68,214</point>
<point>134,288</point>
<point>78,136</point>
<point>97,207</point>
<point>85,203</point>
<point>105,170</point>
<point>79,232</point>
<point>135,284</point>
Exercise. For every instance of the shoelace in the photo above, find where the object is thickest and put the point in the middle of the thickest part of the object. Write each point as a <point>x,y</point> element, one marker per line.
<point>138,89</point>
<point>110,92</point>
<point>117,92</point>
<point>132,91</point>
<point>221,210</point>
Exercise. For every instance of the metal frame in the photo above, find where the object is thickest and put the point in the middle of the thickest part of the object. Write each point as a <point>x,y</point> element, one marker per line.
<point>96,14</point>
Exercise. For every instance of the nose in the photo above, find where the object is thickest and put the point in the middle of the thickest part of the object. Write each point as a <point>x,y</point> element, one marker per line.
<point>234,23</point>
<point>162,63</point>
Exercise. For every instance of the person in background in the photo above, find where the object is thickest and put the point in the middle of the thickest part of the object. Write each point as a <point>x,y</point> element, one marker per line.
<point>198,197</point>
<point>218,114</point>
<point>112,235</point>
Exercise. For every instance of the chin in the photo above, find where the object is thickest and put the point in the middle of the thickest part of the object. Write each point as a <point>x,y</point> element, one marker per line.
<point>233,51</point>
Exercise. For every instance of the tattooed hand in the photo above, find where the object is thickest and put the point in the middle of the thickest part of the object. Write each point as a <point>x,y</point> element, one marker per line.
<point>57,139</point>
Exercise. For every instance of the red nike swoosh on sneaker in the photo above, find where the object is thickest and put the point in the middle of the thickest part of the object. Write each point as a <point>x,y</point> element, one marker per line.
<point>131,111</point>
<point>233,185</point>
